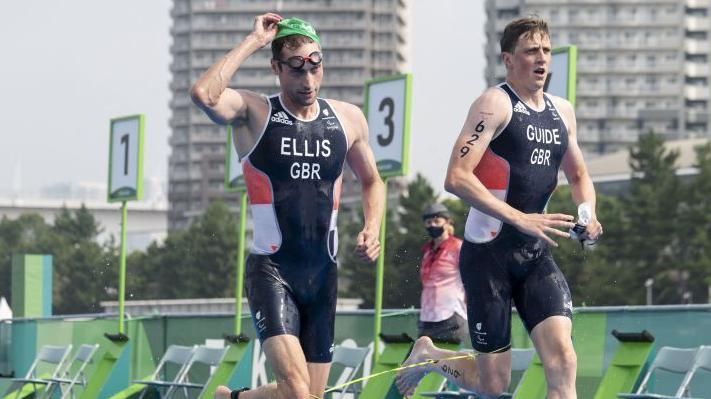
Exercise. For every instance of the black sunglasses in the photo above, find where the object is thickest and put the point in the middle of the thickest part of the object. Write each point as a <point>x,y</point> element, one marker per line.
<point>297,62</point>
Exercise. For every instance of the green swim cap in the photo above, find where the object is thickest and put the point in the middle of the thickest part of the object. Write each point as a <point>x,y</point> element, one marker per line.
<point>295,26</point>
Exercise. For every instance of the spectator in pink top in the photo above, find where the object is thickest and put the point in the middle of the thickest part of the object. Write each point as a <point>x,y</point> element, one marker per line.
<point>443,313</point>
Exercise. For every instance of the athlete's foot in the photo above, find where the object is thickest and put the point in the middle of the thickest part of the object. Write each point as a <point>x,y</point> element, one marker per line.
<point>222,392</point>
<point>408,378</point>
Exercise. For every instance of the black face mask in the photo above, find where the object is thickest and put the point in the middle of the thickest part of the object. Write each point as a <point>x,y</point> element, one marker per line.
<point>435,231</point>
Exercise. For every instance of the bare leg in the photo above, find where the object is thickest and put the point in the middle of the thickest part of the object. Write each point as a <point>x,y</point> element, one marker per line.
<point>551,338</point>
<point>318,373</point>
<point>286,359</point>
<point>494,374</point>
<point>294,377</point>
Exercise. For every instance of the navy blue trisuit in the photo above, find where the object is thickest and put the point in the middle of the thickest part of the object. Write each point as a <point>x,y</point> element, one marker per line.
<point>293,176</point>
<point>499,264</point>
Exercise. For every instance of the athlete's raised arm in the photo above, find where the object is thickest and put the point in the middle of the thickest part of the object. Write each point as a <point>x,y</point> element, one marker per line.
<point>210,91</point>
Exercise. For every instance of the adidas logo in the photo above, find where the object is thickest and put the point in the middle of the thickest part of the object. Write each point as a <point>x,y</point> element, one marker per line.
<point>281,117</point>
<point>519,107</point>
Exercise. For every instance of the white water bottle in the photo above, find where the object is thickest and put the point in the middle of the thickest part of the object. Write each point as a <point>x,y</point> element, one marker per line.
<point>584,216</point>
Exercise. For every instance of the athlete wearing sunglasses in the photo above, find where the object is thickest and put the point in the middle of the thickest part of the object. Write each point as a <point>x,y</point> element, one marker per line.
<point>293,147</point>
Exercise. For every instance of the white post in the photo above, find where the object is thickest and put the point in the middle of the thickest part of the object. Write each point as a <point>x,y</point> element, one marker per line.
<point>648,284</point>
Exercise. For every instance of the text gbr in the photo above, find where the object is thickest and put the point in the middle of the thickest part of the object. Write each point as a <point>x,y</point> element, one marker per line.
<point>542,156</point>
<point>315,149</point>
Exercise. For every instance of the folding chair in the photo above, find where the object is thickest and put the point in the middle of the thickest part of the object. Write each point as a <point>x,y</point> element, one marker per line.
<point>207,356</point>
<point>625,369</point>
<point>175,354</point>
<point>670,359</point>
<point>701,362</point>
<point>51,355</point>
<point>234,359</point>
<point>350,359</point>
<point>81,358</point>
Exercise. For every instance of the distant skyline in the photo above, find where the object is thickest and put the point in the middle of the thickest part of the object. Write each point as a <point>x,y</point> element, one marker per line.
<point>69,67</point>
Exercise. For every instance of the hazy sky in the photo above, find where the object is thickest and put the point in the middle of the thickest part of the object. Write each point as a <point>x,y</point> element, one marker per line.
<point>69,67</point>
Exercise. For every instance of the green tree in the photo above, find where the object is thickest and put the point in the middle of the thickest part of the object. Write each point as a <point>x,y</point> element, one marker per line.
<point>28,234</point>
<point>404,241</point>
<point>199,262</point>
<point>694,229</point>
<point>659,229</point>
<point>592,274</point>
<point>83,269</point>
<point>650,234</point>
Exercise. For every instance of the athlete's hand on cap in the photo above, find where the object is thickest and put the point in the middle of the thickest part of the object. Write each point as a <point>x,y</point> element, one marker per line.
<point>265,27</point>
<point>542,225</point>
<point>367,245</point>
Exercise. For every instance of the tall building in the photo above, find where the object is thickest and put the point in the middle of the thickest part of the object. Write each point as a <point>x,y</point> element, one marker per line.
<point>642,64</point>
<point>361,39</point>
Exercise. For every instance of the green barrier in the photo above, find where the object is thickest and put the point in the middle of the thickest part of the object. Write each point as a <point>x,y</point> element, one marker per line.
<point>626,367</point>
<point>589,342</point>
<point>131,391</point>
<point>5,384</point>
<point>589,335</point>
<point>383,387</point>
<point>433,382</point>
<point>686,326</point>
<point>533,382</point>
<point>222,375</point>
<point>113,349</point>
<point>23,347</point>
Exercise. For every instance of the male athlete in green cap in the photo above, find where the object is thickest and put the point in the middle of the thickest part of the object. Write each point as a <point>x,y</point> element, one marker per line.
<point>293,146</point>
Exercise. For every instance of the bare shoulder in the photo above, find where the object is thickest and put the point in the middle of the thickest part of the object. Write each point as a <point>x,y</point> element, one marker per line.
<point>493,94</point>
<point>563,106</point>
<point>353,118</point>
<point>493,102</point>
<point>493,107</point>
<point>346,110</point>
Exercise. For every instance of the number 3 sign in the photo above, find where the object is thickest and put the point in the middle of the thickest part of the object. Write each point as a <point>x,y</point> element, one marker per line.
<point>387,107</point>
<point>126,158</point>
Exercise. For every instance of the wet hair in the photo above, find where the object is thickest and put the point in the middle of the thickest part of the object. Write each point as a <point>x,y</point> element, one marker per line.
<point>522,26</point>
<point>292,42</point>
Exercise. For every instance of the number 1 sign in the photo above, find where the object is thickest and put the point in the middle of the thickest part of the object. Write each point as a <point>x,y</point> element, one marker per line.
<point>387,107</point>
<point>126,159</point>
